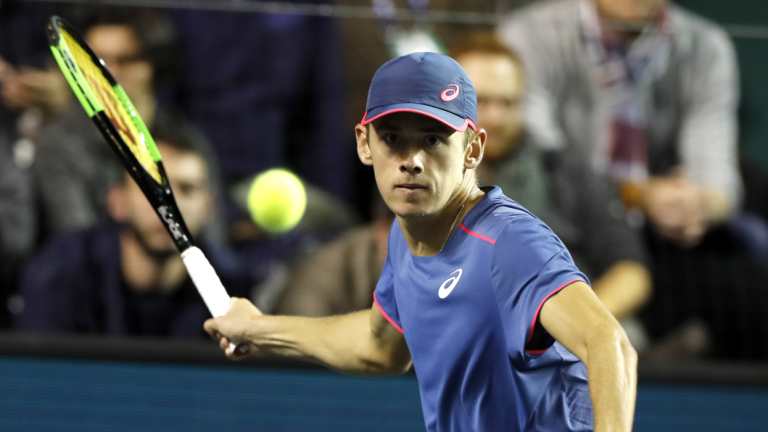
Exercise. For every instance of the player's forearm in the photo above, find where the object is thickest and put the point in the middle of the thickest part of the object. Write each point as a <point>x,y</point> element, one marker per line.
<point>343,342</point>
<point>624,288</point>
<point>612,365</point>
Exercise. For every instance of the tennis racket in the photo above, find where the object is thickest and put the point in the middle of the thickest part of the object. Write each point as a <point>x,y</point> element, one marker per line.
<point>113,113</point>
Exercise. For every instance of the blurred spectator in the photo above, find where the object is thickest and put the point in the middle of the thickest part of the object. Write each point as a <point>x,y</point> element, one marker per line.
<point>573,201</point>
<point>644,90</point>
<point>31,93</point>
<point>74,167</point>
<point>267,90</point>
<point>17,221</point>
<point>29,88</point>
<point>28,79</point>
<point>647,92</point>
<point>340,276</point>
<point>125,277</point>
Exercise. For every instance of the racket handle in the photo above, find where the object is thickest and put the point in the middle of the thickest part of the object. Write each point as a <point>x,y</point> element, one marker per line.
<point>207,282</point>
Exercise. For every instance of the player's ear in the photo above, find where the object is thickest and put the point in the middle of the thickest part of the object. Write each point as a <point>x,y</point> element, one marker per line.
<point>473,153</point>
<point>363,144</point>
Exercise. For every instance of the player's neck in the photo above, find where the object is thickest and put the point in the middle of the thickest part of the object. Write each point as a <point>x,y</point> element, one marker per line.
<point>427,235</point>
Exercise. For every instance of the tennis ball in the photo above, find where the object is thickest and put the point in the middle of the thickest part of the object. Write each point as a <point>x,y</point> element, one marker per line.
<point>277,200</point>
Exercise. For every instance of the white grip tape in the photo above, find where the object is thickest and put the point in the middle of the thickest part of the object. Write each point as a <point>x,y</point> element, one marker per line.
<point>206,281</point>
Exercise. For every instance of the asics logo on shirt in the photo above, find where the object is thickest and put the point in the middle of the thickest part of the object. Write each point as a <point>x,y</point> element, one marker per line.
<point>447,287</point>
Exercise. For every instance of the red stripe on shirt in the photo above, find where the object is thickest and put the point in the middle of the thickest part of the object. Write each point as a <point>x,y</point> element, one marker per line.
<point>477,235</point>
<point>538,310</point>
<point>386,315</point>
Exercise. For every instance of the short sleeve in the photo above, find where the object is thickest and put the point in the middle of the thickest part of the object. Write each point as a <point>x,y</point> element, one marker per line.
<point>529,266</point>
<point>384,299</point>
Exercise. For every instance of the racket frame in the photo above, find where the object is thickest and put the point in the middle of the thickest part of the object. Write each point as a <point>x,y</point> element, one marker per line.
<point>157,189</point>
<point>159,194</point>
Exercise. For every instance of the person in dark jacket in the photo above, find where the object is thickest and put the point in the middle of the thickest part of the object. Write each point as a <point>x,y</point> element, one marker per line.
<point>124,277</point>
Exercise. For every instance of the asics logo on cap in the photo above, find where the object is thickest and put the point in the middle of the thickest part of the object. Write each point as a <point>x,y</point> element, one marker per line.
<point>450,93</point>
<point>447,287</point>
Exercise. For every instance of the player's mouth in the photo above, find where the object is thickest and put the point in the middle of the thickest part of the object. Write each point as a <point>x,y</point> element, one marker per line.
<point>411,186</point>
<point>411,189</point>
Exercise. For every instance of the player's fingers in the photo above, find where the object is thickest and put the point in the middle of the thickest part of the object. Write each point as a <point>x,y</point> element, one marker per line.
<point>243,350</point>
<point>211,327</point>
<point>216,336</point>
<point>224,344</point>
<point>237,352</point>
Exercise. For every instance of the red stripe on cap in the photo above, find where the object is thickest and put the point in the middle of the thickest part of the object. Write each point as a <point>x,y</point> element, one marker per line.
<point>477,235</point>
<point>386,315</point>
<point>467,122</point>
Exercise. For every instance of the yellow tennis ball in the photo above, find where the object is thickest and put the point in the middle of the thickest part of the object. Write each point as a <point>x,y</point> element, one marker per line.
<point>277,200</point>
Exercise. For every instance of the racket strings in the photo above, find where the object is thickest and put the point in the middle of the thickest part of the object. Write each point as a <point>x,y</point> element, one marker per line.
<point>106,99</point>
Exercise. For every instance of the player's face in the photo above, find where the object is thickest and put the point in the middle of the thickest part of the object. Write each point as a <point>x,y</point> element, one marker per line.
<point>119,47</point>
<point>189,181</point>
<point>418,162</point>
<point>499,84</point>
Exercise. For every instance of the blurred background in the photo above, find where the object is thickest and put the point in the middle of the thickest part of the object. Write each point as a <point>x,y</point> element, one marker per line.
<point>636,129</point>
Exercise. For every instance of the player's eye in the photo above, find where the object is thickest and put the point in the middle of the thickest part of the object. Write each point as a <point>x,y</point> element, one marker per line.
<point>433,140</point>
<point>390,138</point>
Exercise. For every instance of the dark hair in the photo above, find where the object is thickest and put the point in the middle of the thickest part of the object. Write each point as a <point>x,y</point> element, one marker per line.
<point>469,134</point>
<point>483,42</point>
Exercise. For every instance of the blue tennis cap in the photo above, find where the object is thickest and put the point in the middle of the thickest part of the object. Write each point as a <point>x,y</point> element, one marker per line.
<point>426,83</point>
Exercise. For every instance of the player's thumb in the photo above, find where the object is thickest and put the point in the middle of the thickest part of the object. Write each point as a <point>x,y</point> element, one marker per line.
<point>211,326</point>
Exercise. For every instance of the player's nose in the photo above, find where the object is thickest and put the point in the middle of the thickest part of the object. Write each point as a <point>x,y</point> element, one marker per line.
<point>412,164</point>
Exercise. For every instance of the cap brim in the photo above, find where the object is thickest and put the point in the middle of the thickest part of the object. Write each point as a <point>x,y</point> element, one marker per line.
<point>447,118</point>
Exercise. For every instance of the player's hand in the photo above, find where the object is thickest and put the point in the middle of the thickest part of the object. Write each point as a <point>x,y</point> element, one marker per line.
<point>677,209</point>
<point>235,327</point>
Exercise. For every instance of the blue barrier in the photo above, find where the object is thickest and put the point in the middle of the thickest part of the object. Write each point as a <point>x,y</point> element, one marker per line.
<point>82,395</point>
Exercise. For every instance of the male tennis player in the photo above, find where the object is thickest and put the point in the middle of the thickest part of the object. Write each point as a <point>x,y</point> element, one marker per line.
<point>477,292</point>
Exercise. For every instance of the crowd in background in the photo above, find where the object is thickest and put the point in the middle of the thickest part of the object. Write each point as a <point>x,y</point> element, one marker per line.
<point>615,122</point>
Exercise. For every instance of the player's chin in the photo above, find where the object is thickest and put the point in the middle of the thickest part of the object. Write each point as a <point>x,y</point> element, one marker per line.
<point>408,203</point>
<point>408,209</point>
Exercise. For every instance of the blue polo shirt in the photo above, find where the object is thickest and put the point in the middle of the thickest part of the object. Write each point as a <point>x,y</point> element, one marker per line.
<point>470,318</point>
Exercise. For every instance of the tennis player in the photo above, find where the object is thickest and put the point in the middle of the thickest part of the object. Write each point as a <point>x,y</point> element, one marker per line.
<point>503,330</point>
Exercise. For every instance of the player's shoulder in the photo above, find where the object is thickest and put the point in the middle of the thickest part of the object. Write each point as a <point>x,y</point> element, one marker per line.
<point>522,242</point>
<point>508,222</point>
<point>497,211</point>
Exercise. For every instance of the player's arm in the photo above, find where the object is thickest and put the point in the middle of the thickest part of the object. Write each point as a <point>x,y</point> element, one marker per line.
<point>360,342</point>
<point>576,318</point>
